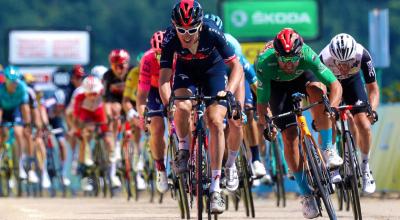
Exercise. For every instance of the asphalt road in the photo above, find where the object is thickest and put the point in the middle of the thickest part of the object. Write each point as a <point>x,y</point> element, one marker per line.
<point>120,209</point>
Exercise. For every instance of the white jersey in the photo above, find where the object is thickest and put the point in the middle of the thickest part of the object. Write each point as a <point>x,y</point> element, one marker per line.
<point>362,61</point>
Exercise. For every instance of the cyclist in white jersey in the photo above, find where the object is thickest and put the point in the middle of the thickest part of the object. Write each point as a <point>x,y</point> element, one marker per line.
<point>345,57</point>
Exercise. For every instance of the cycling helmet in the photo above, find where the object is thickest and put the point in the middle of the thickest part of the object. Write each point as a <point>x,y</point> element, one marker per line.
<point>187,13</point>
<point>98,71</point>
<point>12,73</point>
<point>78,71</point>
<point>343,47</point>
<point>29,78</point>
<point>288,42</point>
<point>92,84</point>
<point>214,18</point>
<point>156,40</point>
<point>119,56</point>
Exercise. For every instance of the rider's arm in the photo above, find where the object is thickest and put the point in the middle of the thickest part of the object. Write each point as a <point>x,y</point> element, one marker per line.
<point>263,89</point>
<point>236,75</point>
<point>144,83</point>
<point>325,75</point>
<point>164,86</point>
<point>166,61</point>
<point>368,70</point>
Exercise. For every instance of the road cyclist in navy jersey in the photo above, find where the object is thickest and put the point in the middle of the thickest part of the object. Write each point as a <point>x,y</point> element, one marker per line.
<point>202,55</point>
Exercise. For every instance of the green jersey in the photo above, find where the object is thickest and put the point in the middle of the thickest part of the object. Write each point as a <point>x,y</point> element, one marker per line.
<point>268,69</point>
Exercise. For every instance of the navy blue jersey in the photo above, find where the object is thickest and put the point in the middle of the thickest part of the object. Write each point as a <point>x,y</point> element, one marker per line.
<point>212,48</point>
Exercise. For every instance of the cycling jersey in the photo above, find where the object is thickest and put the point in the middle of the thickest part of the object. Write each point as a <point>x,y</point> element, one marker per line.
<point>9,101</point>
<point>56,100</point>
<point>131,84</point>
<point>212,48</point>
<point>362,61</point>
<point>32,98</point>
<point>268,70</point>
<point>87,110</point>
<point>70,107</point>
<point>248,69</point>
<point>114,86</point>
<point>149,71</point>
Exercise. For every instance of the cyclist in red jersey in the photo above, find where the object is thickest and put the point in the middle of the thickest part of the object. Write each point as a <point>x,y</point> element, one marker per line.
<point>89,108</point>
<point>148,89</point>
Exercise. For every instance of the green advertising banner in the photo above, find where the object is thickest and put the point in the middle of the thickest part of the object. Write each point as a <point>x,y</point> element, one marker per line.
<point>255,20</point>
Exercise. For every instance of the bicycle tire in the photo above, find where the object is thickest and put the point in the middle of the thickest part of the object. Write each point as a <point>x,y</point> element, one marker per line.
<point>353,178</point>
<point>316,171</point>
<point>179,180</point>
<point>280,187</point>
<point>340,195</point>
<point>248,196</point>
<point>199,175</point>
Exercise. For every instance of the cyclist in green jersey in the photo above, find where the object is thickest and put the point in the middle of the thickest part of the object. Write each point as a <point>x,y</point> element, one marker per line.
<point>286,67</point>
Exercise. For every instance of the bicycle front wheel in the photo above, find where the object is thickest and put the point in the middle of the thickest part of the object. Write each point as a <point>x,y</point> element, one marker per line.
<point>320,176</point>
<point>351,177</point>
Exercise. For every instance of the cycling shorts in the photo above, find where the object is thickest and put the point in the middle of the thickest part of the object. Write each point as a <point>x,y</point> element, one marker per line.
<point>154,102</point>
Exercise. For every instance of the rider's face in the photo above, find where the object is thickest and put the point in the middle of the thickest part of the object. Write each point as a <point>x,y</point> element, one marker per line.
<point>288,67</point>
<point>120,69</point>
<point>188,36</point>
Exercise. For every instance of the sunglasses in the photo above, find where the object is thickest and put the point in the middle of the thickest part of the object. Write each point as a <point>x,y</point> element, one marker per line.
<point>118,65</point>
<point>292,59</point>
<point>92,94</point>
<point>190,31</point>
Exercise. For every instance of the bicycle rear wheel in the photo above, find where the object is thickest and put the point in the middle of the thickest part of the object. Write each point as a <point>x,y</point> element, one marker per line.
<point>352,177</point>
<point>319,176</point>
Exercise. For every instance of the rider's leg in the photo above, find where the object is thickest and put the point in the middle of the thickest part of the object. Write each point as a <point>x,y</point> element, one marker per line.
<point>157,141</point>
<point>315,90</point>
<point>215,117</point>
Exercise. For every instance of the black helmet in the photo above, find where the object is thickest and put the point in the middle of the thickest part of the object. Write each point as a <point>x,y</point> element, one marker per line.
<point>187,13</point>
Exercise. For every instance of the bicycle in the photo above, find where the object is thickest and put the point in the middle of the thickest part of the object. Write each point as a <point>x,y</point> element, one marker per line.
<point>9,166</point>
<point>317,173</point>
<point>278,170</point>
<point>199,175</point>
<point>350,171</point>
<point>53,170</point>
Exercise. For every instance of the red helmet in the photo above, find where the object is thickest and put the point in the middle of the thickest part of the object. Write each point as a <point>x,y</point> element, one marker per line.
<point>288,42</point>
<point>119,56</point>
<point>187,13</point>
<point>156,40</point>
<point>78,71</point>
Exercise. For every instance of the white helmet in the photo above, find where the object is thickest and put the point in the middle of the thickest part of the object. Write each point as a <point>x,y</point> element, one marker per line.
<point>92,84</point>
<point>343,47</point>
<point>98,71</point>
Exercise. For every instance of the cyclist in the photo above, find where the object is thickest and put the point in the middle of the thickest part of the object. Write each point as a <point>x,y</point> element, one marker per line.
<point>201,50</point>
<point>40,124</point>
<point>288,67</point>
<point>98,71</point>
<point>14,108</point>
<point>250,85</point>
<point>77,75</point>
<point>148,89</point>
<point>89,107</point>
<point>55,106</point>
<point>345,57</point>
<point>129,105</point>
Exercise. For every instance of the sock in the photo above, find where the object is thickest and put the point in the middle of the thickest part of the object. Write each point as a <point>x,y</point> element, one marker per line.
<point>364,162</point>
<point>255,153</point>
<point>184,143</point>
<point>301,180</point>
<point>216,176</point>
<point>160,165</point>
<point>326,137</point>
<point>231,158</point>
<point>113,169</point>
